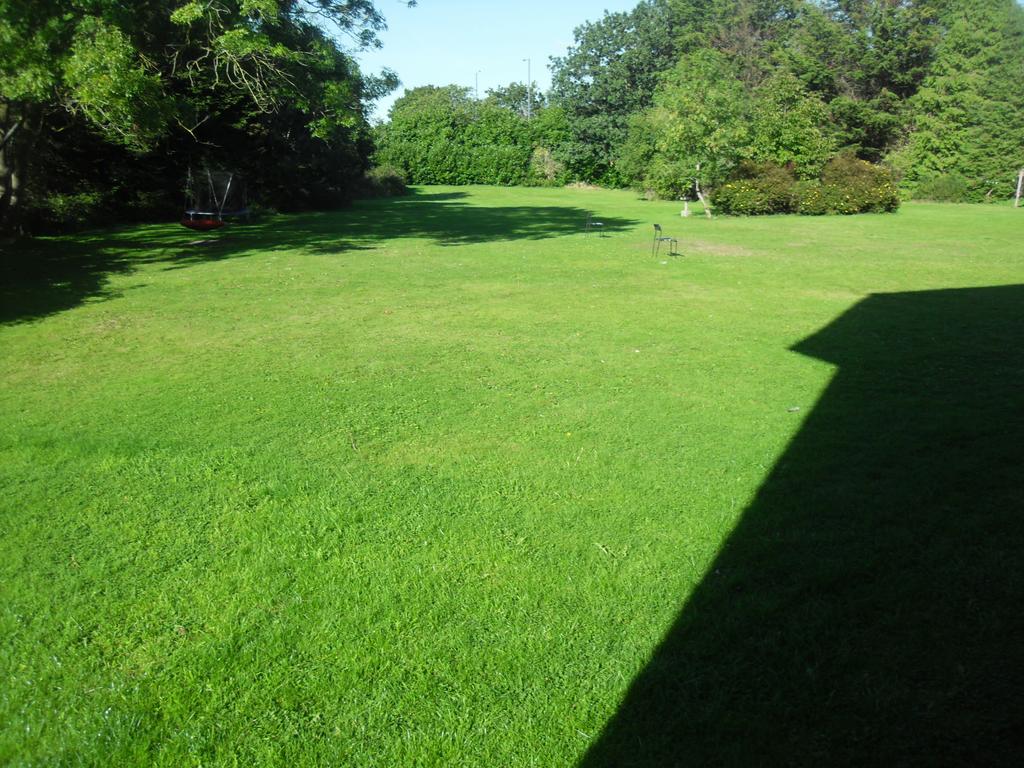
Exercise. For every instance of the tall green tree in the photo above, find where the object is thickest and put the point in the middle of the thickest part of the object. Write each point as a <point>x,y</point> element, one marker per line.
<point>698,129</point>
<point>141,71</point>
<point>790,126</point>
<point>864,58</point>
<point>749,32</point>
<point>609,74</point>
<point>966,118</point>
<point>525,100</point>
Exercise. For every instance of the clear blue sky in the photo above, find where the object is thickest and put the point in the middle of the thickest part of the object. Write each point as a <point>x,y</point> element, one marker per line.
<point>447,41</point>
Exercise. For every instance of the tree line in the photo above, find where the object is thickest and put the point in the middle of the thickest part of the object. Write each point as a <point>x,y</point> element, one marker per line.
<point>105,104</point>
<point>769,104</point>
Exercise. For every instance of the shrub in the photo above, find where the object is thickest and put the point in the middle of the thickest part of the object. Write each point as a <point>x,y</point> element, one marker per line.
<point>757,189</point>
<point>743,197</point>
<point>384,181</point>
<point>847,185</point>
<point>816,199</point>
<point>61,212</point>
<point>545,170</point>
<point>668,179</point>
<point>502,164</point>
<point>944,188</point>
<point>851,185</point>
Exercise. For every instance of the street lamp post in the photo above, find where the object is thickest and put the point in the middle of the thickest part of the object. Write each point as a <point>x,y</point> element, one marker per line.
<point>529,91</point>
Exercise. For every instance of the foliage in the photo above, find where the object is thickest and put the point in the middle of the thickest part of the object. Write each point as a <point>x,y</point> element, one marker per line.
<point>638,155</point>
<point>608,75</point>
<point>495,146</point>
<point>108,84</point>
<point>704,123</point>
<point>967,114</point>
<point>849,185</point>
<point>421,138</point>
<point>668,178</point>
<point>383,181</point>
<point>110,183</point>
<point>790,126</point>
<point>758,189</point>
<point>545,170</point>
<point>69,211</point>
<point>748,32</point>
<point>943,188</point>
<point>193,82</point>
<point>864,58</point>
<point>697,130</point>
<point>930,85</point>
<point>550,128</point>
<point>442,135</point>
<point>518,98</point>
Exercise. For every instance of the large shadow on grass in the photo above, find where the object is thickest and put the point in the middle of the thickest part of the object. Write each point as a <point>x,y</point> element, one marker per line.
<point>867,609</point>
<point>39,278</point>
<point>444,218</point>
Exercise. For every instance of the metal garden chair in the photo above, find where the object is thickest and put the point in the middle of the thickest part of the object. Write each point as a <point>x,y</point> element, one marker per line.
<point>659,238</point>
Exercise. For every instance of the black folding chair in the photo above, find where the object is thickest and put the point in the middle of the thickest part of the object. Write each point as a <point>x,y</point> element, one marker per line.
<point>593,226</point>
<point>659,238</point>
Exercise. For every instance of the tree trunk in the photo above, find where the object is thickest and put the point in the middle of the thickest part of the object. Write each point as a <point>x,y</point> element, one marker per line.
<point>700,196</point>
<point>9,181</point>
<point>9,135</point>
<point>20,126</point>
<point>1020,188</point>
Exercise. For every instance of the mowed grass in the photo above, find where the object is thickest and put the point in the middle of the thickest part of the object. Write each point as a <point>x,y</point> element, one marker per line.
<point>427,481</point>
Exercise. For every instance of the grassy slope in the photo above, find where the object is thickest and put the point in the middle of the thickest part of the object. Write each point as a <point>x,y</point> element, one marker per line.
<point>422,482</point>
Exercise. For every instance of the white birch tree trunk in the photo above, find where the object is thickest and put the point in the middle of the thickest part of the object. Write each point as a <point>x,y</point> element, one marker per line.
<point>700,195</point>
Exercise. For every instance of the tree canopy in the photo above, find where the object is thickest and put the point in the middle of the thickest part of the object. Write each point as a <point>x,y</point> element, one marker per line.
<point>250,84</point>
<point>677,94</point>
<point>608,75</point>
<point>930,87</point>
<point>104,104</point>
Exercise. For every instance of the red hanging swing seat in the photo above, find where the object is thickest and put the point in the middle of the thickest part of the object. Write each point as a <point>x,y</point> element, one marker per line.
<point>201,222</point>
<point>213,197</point>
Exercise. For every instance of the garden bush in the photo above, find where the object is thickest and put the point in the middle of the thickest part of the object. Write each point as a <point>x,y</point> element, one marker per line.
<point>545,169</point>
<point>943,188</point>
<point>384,181</point>
<point>758,189</point>
<point>851,185</point>
<point>60,212</point>
<point>847,185</point>
<point>813,198</point>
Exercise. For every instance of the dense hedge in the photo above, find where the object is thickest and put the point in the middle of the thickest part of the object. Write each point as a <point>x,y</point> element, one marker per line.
<point>847,186</point>
<point>444,136</point>
<point>383,181</point>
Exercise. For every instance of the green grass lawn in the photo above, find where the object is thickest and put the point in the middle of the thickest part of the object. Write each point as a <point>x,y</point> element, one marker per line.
<point>443,481</point>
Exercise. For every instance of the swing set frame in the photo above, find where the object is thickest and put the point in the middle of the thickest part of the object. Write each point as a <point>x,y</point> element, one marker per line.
<point>204,212</point>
